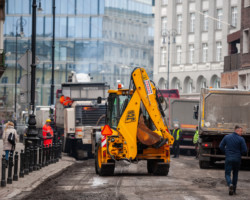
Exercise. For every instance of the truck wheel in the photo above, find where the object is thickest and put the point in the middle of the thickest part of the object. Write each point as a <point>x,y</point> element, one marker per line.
<point>150,164</point>
<point>204,164</point>
<point>160,168</point>
<point>103,169</point>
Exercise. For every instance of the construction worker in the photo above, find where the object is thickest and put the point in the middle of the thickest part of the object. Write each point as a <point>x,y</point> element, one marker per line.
<point>47,133</point>
<point>177,134</point>
<point>195,141</point>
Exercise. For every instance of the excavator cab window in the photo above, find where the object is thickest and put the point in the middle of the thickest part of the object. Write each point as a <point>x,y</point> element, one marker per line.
<point>116,106</point>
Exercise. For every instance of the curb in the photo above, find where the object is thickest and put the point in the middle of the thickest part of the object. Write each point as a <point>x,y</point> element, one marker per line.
<point>16,193</point>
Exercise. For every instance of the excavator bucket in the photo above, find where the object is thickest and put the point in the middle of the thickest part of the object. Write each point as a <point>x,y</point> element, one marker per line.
<point>145,135</point>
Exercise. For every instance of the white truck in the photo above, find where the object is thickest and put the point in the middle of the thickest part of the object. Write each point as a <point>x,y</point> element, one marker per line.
<point>181,111</point>
<point>75,122</point>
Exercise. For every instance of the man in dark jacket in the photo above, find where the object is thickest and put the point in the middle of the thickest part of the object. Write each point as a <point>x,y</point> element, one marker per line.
<point>234,146</point>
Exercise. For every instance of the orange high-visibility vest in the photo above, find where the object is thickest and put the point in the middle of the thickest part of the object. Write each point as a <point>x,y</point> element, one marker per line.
<point>46,130</point>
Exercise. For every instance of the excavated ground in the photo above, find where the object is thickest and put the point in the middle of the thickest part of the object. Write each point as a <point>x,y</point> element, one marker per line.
<point>185,181</point>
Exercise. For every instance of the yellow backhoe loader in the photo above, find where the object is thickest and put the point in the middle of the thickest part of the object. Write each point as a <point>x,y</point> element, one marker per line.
<point>135,128</point>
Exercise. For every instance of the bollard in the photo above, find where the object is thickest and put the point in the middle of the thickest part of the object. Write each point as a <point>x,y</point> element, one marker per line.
<point>31,159</point>
<point>21,173</point>
<point>56,151</point>
<point>53,153</point>
<point>50,150</point>
<point>9,179</point>
<point>15,176</point>
<point>44,156</point>
<point>35,158</point>
<point>40,157</point>
<point>47,155</point>
<point>26,164</point>
<point>3,179</point>
<point>60,149</point>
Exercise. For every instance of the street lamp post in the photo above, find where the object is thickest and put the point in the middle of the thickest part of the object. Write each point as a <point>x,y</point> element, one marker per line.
<point>53,71</point>
<point>169,34</point>
<point>21,33</point>
<point>32,139</point>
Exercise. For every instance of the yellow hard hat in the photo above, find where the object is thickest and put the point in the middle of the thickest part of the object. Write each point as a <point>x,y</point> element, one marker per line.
<point>48,120</point>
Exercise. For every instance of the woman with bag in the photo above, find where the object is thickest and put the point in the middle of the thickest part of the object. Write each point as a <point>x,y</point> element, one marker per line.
<point>10,138</point>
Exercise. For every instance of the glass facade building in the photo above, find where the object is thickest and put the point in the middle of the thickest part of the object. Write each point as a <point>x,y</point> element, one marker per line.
<point>105,38</point>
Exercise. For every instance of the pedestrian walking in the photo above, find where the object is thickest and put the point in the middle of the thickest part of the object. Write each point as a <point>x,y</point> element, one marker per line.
<point>196,142</point>
<point>10,139</point>
<point>47,133</point>
<point>234,146</point>
<point>177,134</point>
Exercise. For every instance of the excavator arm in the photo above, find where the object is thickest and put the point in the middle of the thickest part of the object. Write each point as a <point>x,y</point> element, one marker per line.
<point>129,127</point>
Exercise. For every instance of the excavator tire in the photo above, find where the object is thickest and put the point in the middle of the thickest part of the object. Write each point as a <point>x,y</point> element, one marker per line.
<point>159,168</point>
<point>106,169</point>
<point>150,164</point>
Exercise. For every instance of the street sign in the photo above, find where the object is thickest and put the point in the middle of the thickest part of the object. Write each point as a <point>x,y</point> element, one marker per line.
<point>25,61</point>
<point>25,83</point>
<point>24,97</point>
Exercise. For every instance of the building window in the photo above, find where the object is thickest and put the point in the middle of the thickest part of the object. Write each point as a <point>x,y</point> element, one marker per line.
<point>218,51</point>
<point>246,41</point>
<point>219,18</point>
<point>164,2</point>
<point>164,21</point>
<point>191,53</point>
<point>205,20</point>
<point>192,22</point>
<point>234,13</point>
<point>178,54</point>
<point>5,79</point>
<point>163,56</point>
<point>204,52</point>
<point>179,24</point>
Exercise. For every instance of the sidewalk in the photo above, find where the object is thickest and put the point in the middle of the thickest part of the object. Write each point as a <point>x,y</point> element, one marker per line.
<point>34,178</point>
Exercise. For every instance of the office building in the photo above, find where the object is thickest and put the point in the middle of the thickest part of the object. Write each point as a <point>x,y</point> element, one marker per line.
<point>191,36</point>
<point>104,38</point>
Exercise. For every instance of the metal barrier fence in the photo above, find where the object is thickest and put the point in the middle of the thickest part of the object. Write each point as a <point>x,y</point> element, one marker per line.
<point>31,159</point>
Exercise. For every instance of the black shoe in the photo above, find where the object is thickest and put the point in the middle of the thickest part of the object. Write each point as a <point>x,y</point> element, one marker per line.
<point>6,163</point>
<point>231,189</point>
<point>234,190</point>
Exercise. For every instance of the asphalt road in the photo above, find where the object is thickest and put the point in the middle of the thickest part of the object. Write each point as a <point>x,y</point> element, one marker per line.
<point>185,181</point>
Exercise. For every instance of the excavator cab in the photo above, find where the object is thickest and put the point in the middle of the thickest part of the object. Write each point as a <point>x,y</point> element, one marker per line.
<point>135,129</point>
<point>115,109</point>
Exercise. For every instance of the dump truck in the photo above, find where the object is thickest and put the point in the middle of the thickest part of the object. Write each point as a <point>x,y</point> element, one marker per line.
<point>135,128</point>
<point>80,106</point>
<point>218,113</point>
<point>181,111</point>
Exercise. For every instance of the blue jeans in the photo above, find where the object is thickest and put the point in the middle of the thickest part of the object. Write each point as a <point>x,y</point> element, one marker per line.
<point>7,154</point>
<point>232,165</point>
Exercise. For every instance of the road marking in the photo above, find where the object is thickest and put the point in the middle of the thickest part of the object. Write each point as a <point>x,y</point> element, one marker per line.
<point>189,198</point>
<point>118,184</point>
<point>98,181</point>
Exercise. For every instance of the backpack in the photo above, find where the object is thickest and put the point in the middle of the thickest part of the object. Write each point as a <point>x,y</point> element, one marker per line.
<point>11,139</point>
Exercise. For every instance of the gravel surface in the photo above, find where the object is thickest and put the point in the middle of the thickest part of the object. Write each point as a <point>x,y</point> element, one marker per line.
<point>184,182</point>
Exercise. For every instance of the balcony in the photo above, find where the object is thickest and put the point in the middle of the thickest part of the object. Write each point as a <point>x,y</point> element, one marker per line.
<point>2,62</point>
<point>232,62</point>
